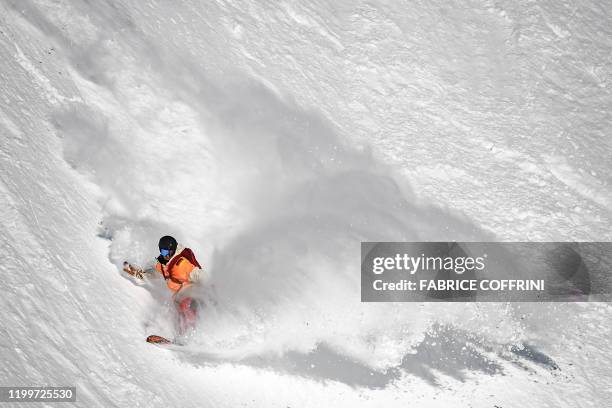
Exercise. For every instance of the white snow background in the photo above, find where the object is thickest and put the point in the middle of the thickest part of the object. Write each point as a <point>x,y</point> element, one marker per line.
<point>273,137</point>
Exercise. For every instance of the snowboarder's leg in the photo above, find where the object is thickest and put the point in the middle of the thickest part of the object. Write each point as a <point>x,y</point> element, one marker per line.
<point>187,308</point>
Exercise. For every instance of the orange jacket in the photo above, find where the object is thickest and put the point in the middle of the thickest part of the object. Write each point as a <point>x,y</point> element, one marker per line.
<point>178,276</point>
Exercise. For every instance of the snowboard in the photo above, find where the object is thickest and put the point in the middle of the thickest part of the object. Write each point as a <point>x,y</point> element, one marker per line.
<point>155,339</point>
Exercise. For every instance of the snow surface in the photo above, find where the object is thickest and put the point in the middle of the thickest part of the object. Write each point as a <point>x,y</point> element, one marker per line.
<point>273,137</point>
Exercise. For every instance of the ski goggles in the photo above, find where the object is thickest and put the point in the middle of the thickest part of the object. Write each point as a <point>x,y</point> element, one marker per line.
<point>164,252</point>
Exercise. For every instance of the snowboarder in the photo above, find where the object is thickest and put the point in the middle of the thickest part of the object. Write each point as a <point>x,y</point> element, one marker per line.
<point>180,269</point>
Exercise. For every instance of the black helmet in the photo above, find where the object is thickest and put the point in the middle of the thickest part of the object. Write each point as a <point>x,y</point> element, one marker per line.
<point>167,242</point>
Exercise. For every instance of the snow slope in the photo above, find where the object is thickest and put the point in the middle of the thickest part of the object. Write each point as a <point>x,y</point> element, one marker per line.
<point>272,139</point>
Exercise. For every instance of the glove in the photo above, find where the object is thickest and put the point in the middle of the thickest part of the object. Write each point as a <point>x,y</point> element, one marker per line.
<point>133,270</point>
<point>198,275</point>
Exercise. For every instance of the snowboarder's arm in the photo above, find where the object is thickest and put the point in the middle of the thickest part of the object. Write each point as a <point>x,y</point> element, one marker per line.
<point>191,272</point>
<point>158,268</point>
